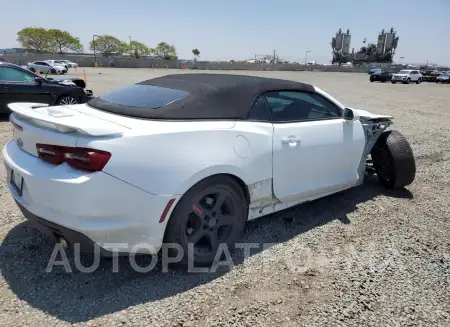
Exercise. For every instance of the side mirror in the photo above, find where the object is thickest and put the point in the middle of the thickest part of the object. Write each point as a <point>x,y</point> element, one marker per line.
<point>38,80</point>
<point>349,115</point>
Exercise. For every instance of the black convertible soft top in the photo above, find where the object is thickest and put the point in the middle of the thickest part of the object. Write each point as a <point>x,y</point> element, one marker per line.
<point>192,96</point>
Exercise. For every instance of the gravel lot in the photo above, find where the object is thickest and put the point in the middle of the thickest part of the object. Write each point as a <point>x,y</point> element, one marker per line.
<point>365,257</point>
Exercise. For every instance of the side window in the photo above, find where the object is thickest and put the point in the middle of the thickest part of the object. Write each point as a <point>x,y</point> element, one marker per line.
<point>289,106</point>
<point>259,110</point>
<point>14,75</point>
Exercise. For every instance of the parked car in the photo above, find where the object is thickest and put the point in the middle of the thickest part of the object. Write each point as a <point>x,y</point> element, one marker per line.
<point>430,75</point>
<point>443,78</point>
<point>407,76</point>
<point>188,159</point>
<point>20,85</point>
<point>57,63</point>
<point>374,70</point>
<point>381,77</point>
<point>68,63</point>
<point>46,68</point>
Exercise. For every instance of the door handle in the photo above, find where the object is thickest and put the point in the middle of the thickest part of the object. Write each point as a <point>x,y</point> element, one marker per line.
<point>291,140</point>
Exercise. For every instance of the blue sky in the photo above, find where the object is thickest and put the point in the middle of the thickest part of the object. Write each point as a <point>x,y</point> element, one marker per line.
<point>239,29</point>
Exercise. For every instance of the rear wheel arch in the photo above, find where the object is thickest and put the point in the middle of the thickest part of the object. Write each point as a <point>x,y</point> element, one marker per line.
<point>175,222</point>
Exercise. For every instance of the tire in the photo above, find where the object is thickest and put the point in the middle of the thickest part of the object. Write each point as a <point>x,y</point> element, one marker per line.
<point>407,81</point>
<point>53,71</point>
<point>195,214</point>
<point>66,100</point>
<point>419,81</point>
<point>393,160</point>
<point>393,82</point>
<point>32,70</point>
<point>371,80</point>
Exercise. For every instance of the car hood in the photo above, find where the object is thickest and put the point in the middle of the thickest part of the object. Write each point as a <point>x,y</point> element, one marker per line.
<point>68,81</point>
<point>368,115</point>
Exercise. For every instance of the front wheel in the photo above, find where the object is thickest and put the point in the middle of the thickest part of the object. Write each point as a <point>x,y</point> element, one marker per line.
<point>393,82</point>
<point>407,81</point>
<point>211,214</point>
<point>53,71</point>
<point>67,100</point>
<point>393,160</point>
<point>419,81</point>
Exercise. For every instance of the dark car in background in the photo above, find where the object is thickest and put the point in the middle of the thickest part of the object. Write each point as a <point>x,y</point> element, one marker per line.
<point>381,77</point>
<point>443,78</point>
<point>430,75</point>
<point>20,85</point>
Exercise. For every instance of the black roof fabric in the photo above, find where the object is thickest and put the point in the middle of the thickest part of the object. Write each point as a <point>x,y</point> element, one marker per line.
<point>211,96</point>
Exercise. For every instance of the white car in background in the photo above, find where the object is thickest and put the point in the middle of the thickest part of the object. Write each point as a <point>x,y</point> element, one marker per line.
<point>68,63</point>
<point>407,76</point>
<point>189,158</point>
<point>46,67</point>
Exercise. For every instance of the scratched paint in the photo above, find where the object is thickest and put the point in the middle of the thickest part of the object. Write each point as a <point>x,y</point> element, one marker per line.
<point>260,191</point>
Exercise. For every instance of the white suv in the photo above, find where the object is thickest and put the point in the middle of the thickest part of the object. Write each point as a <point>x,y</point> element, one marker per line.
<point>407,76</point>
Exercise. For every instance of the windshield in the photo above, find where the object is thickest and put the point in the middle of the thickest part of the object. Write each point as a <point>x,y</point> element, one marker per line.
<point>143,96</point>
<point>405,72</point>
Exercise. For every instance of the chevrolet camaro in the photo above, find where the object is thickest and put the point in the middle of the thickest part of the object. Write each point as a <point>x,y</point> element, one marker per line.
<point>187,159</point>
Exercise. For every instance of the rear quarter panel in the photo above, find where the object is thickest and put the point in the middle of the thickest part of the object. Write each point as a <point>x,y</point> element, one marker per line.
<point>168,158</point>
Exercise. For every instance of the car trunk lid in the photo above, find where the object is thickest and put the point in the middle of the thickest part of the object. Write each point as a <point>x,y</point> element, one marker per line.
<point>36,123</point>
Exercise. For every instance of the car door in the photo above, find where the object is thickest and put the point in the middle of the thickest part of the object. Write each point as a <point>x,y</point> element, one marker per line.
<point>43,66</point>
<point>315,151</point>
<point>414,76</point>
<point>20,86</point>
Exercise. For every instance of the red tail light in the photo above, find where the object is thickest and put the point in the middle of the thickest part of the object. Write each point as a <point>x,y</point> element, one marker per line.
<point>79,158</point>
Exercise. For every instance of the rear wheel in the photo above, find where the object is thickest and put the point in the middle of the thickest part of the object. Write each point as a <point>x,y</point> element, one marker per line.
<point>212,212</point>
<point>393,82</point>
<point>393,160</point>
<point>53,71</point>
<point>32,70</point>
<point>67,100</point>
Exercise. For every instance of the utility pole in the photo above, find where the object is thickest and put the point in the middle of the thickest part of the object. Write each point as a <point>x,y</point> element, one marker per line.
<point>273,55</point>
<point>306,57</point>
<point>131,50</point>
<point>95,55</point>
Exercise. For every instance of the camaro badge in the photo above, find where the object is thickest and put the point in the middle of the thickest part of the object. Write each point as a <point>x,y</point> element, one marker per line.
<point>19,142</point>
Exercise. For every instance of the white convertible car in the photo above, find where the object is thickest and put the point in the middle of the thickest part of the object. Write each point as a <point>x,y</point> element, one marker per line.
<point>189,158</point>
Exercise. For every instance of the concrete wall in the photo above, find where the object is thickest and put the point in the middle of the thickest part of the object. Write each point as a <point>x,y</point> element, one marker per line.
<point>88,61</point>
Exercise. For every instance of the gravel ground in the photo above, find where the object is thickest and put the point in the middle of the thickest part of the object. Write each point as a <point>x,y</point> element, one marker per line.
<point>364,257</point>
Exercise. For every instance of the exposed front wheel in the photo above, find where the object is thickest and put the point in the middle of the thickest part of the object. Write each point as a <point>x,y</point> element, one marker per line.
<point>67,100</point>
<point>393,82</point>
<point>211,214</point>
<point>407,81</point>
<point>419,81</point>
<point>393,160</point>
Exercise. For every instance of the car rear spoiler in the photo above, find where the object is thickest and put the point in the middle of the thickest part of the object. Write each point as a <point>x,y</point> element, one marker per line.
<point>64,119</point>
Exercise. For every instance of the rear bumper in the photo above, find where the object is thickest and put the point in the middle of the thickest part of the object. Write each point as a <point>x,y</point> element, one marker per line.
<point>103,209</point>
<point>58,232</point>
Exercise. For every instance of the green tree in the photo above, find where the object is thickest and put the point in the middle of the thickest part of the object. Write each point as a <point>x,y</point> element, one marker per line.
<point>196,53</point>
<point>108,45</point>
<point>62,42</point>
<point>34,38</point>
<point>138,49</point>
<point>165,51</point>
